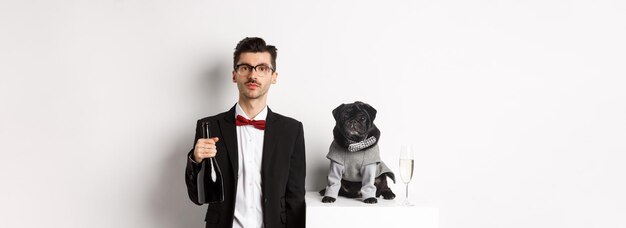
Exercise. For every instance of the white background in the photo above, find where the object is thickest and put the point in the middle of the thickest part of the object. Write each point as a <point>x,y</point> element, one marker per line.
<point>516,108</point>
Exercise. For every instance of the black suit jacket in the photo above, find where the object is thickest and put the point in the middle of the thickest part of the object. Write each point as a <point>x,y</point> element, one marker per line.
<point>282,171</point>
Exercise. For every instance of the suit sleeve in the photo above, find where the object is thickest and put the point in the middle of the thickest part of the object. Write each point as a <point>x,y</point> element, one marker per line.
<point>294,194</point>
<point>191,171</point>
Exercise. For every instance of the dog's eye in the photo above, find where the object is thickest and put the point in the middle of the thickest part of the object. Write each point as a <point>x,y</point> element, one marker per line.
<point>362,119</point>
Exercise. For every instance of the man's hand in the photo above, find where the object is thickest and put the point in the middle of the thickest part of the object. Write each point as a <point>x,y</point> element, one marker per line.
<point>205,148</point>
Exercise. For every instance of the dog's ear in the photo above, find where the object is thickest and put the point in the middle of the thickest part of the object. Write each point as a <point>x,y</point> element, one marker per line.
<point>369,109</point>
<point>337,111</point>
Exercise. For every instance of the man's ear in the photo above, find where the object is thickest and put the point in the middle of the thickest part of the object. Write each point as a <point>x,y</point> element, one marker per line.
<point>234,75</point>
<point>274,76</point>
<point>337,111</point>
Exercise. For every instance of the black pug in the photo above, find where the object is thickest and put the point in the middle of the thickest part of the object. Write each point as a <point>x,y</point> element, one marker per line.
<point>356,170</point>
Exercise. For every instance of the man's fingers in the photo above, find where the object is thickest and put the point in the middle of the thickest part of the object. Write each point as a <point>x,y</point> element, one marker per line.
<point>204,151</point>
<point>208,141</point>
<point>211,140</point>
<point>205,148</point>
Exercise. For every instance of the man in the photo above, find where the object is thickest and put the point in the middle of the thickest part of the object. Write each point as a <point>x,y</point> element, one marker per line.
<point>260,153</point>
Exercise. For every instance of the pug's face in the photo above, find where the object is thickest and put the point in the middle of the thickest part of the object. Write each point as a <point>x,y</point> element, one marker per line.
<point>355,120</point>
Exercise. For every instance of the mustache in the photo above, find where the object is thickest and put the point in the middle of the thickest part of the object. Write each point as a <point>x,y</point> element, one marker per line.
<point>253,82</point>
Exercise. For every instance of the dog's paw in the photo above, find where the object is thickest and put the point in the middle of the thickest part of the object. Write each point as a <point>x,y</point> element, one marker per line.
<point>328,199</point>
<point>370,200</point>
<point>388,195</point>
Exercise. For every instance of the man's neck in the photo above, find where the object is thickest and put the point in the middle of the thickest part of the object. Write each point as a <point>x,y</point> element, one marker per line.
<point>252,107</point>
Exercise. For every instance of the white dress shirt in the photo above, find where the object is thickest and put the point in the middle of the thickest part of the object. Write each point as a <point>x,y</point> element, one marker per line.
<point>248,203</point>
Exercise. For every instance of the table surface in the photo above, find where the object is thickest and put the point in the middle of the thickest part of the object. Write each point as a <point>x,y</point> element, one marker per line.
<point>347,212</point>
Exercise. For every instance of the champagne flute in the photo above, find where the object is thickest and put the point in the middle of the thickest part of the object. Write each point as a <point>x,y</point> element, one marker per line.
<point>406,169</point>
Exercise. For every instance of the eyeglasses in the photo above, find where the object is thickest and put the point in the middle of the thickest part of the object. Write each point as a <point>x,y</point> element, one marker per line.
<point>246,69</point>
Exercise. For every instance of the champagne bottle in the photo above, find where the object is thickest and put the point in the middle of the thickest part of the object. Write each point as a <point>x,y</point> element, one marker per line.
<point>210,182</point>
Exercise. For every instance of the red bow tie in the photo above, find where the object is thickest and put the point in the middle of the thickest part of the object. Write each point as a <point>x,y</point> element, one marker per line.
<point>242,121</point>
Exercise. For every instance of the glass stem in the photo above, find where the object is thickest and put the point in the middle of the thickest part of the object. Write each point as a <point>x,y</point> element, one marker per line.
<point>407,191</point>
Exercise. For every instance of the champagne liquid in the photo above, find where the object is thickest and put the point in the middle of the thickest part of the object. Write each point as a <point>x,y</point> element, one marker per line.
<point>406,170</point>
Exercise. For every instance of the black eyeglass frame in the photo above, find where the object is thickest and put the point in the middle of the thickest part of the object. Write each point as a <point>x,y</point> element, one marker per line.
<point>253,67</point>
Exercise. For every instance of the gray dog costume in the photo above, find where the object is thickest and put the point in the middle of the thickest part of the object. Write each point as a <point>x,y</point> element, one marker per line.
<point>360,162</point>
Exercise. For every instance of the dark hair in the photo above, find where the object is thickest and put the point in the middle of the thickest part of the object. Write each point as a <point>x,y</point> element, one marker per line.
<point>254,45</point>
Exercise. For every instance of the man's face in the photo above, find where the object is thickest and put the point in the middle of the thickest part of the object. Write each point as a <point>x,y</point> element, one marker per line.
<point>254,85</point>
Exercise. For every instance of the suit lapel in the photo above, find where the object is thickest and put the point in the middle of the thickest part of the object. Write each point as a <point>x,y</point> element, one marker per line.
<point>229,135</point>
<point>269,142</point>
